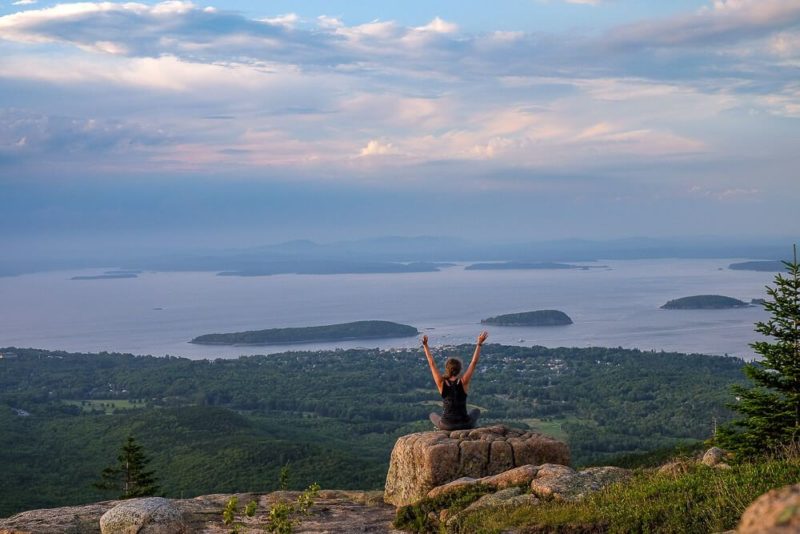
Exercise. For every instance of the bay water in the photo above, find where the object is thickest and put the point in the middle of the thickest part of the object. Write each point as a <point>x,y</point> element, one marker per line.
<point>613,304</point>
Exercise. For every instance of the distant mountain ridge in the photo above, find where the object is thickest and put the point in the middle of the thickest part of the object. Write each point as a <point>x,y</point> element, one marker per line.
<point>400,249</point>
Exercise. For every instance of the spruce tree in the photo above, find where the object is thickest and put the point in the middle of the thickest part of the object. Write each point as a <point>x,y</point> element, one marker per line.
<point>770,408</point>
<point>130,476</point>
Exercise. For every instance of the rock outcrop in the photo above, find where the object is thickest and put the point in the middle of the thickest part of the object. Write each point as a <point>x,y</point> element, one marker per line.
<point>562,483</point>
<point>775,512</point>
<point>333,511</point>
<point>149,515</point>
<point>518,476</point>
<point>425,460</point>
<point>548,481</point>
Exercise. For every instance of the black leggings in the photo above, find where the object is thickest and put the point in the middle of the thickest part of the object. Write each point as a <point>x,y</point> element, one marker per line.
<point>436,419</point>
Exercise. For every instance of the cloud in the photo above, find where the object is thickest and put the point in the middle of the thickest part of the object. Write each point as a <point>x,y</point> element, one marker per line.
<point>725,194</point>
<point>320,98</point>
<point>723,21</point>
<point>288,19</point>
<point>378,148</point>
<point>23,2</point>
<point>60,142</point>
<point>437,25</point>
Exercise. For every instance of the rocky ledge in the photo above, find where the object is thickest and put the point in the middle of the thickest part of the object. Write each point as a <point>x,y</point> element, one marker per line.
<point>425,460</point>
<point>333,511</point>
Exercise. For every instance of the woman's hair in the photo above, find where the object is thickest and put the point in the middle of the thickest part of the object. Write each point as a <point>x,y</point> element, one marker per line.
<point>452,367</point>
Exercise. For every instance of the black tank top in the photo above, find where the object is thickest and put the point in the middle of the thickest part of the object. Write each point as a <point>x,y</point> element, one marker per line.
<point>454,399</point>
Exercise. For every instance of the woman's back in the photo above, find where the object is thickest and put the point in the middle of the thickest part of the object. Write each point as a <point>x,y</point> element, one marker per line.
<point>454,402</point>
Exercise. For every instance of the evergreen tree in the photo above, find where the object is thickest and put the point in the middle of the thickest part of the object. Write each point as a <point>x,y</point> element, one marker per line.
<point>770,409</point>
<point>129,476</point>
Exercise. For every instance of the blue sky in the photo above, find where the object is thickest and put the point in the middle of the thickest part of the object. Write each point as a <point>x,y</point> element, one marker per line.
<point>250,122</point>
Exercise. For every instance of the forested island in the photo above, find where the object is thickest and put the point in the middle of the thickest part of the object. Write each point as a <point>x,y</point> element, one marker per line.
<point>310,334</point>
<point>333,416</point>
<point>704,302</point>
<point>531,318</point>
<point>762,265</point>
<point>509,265</point>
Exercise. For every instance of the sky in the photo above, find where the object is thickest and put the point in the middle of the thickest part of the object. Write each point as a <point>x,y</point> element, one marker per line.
<point>239,123</point>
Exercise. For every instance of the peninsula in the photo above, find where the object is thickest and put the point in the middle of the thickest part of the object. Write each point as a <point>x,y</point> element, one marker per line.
<point>531,318</point>
<point>311,334</point>
<point>704,302</point>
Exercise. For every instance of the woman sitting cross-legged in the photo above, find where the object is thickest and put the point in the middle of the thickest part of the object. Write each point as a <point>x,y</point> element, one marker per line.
<point>453,389</point>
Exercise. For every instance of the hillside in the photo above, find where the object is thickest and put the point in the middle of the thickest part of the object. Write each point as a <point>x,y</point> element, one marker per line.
<point>229,425</point>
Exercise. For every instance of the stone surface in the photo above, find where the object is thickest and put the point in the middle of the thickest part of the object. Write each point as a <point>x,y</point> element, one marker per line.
<point>494,499</point>
<point>561,483</point>
<point>775,512</point>
<point>425,460</point>
<point>518,476</point>
<point>713,456</point>
<point>333,511</point>
<point>452,487</point>
<point>149,515</point>
<point>674,468</point>
<point>68,519</point>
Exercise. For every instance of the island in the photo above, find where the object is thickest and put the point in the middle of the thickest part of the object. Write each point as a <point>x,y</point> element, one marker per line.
<point>531,318</point>
<point>704,302</point>
<point>508,265</point>
<point>311,334</point>
<point>764,265</point>
<point>114,276</point>
<point>334,267</point>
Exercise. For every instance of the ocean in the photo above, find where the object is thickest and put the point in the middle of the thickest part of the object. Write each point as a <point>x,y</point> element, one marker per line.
<point>614,304</point>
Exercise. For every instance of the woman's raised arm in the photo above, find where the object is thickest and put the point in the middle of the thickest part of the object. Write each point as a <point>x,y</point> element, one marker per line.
<point>437,376</point>
<point>475,357</point>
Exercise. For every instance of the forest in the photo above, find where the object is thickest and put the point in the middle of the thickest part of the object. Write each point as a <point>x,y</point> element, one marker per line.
<point>230,424</point>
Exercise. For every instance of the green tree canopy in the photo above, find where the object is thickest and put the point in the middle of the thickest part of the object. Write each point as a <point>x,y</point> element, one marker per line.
<point>770,408</point>
<point>130,476</point>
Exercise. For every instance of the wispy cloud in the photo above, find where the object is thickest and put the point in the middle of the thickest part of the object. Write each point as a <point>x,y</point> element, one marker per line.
<point>320,98</point>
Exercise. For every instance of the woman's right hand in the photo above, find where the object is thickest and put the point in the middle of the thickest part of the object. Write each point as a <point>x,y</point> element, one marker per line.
<point>482,337</point>
<point>424,341</point>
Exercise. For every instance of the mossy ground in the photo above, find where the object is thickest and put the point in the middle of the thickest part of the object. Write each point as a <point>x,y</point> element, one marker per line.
<point>701,500</point>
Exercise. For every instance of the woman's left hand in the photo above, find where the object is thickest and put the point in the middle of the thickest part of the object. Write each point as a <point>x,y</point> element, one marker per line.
<point>482,337</point>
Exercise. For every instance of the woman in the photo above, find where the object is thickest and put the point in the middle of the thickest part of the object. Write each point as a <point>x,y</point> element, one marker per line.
<point>453,389</point>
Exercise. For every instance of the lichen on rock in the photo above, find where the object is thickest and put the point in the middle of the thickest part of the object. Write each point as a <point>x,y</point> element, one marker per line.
<point>425,460</point>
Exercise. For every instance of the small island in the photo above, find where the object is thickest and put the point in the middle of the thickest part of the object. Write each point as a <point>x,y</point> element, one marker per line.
<point>311,334</point>
<point>509,265</point>
<point>107,276</point>
<point>532,318</point>
<point>704,302</point>
<point>762,265</point>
